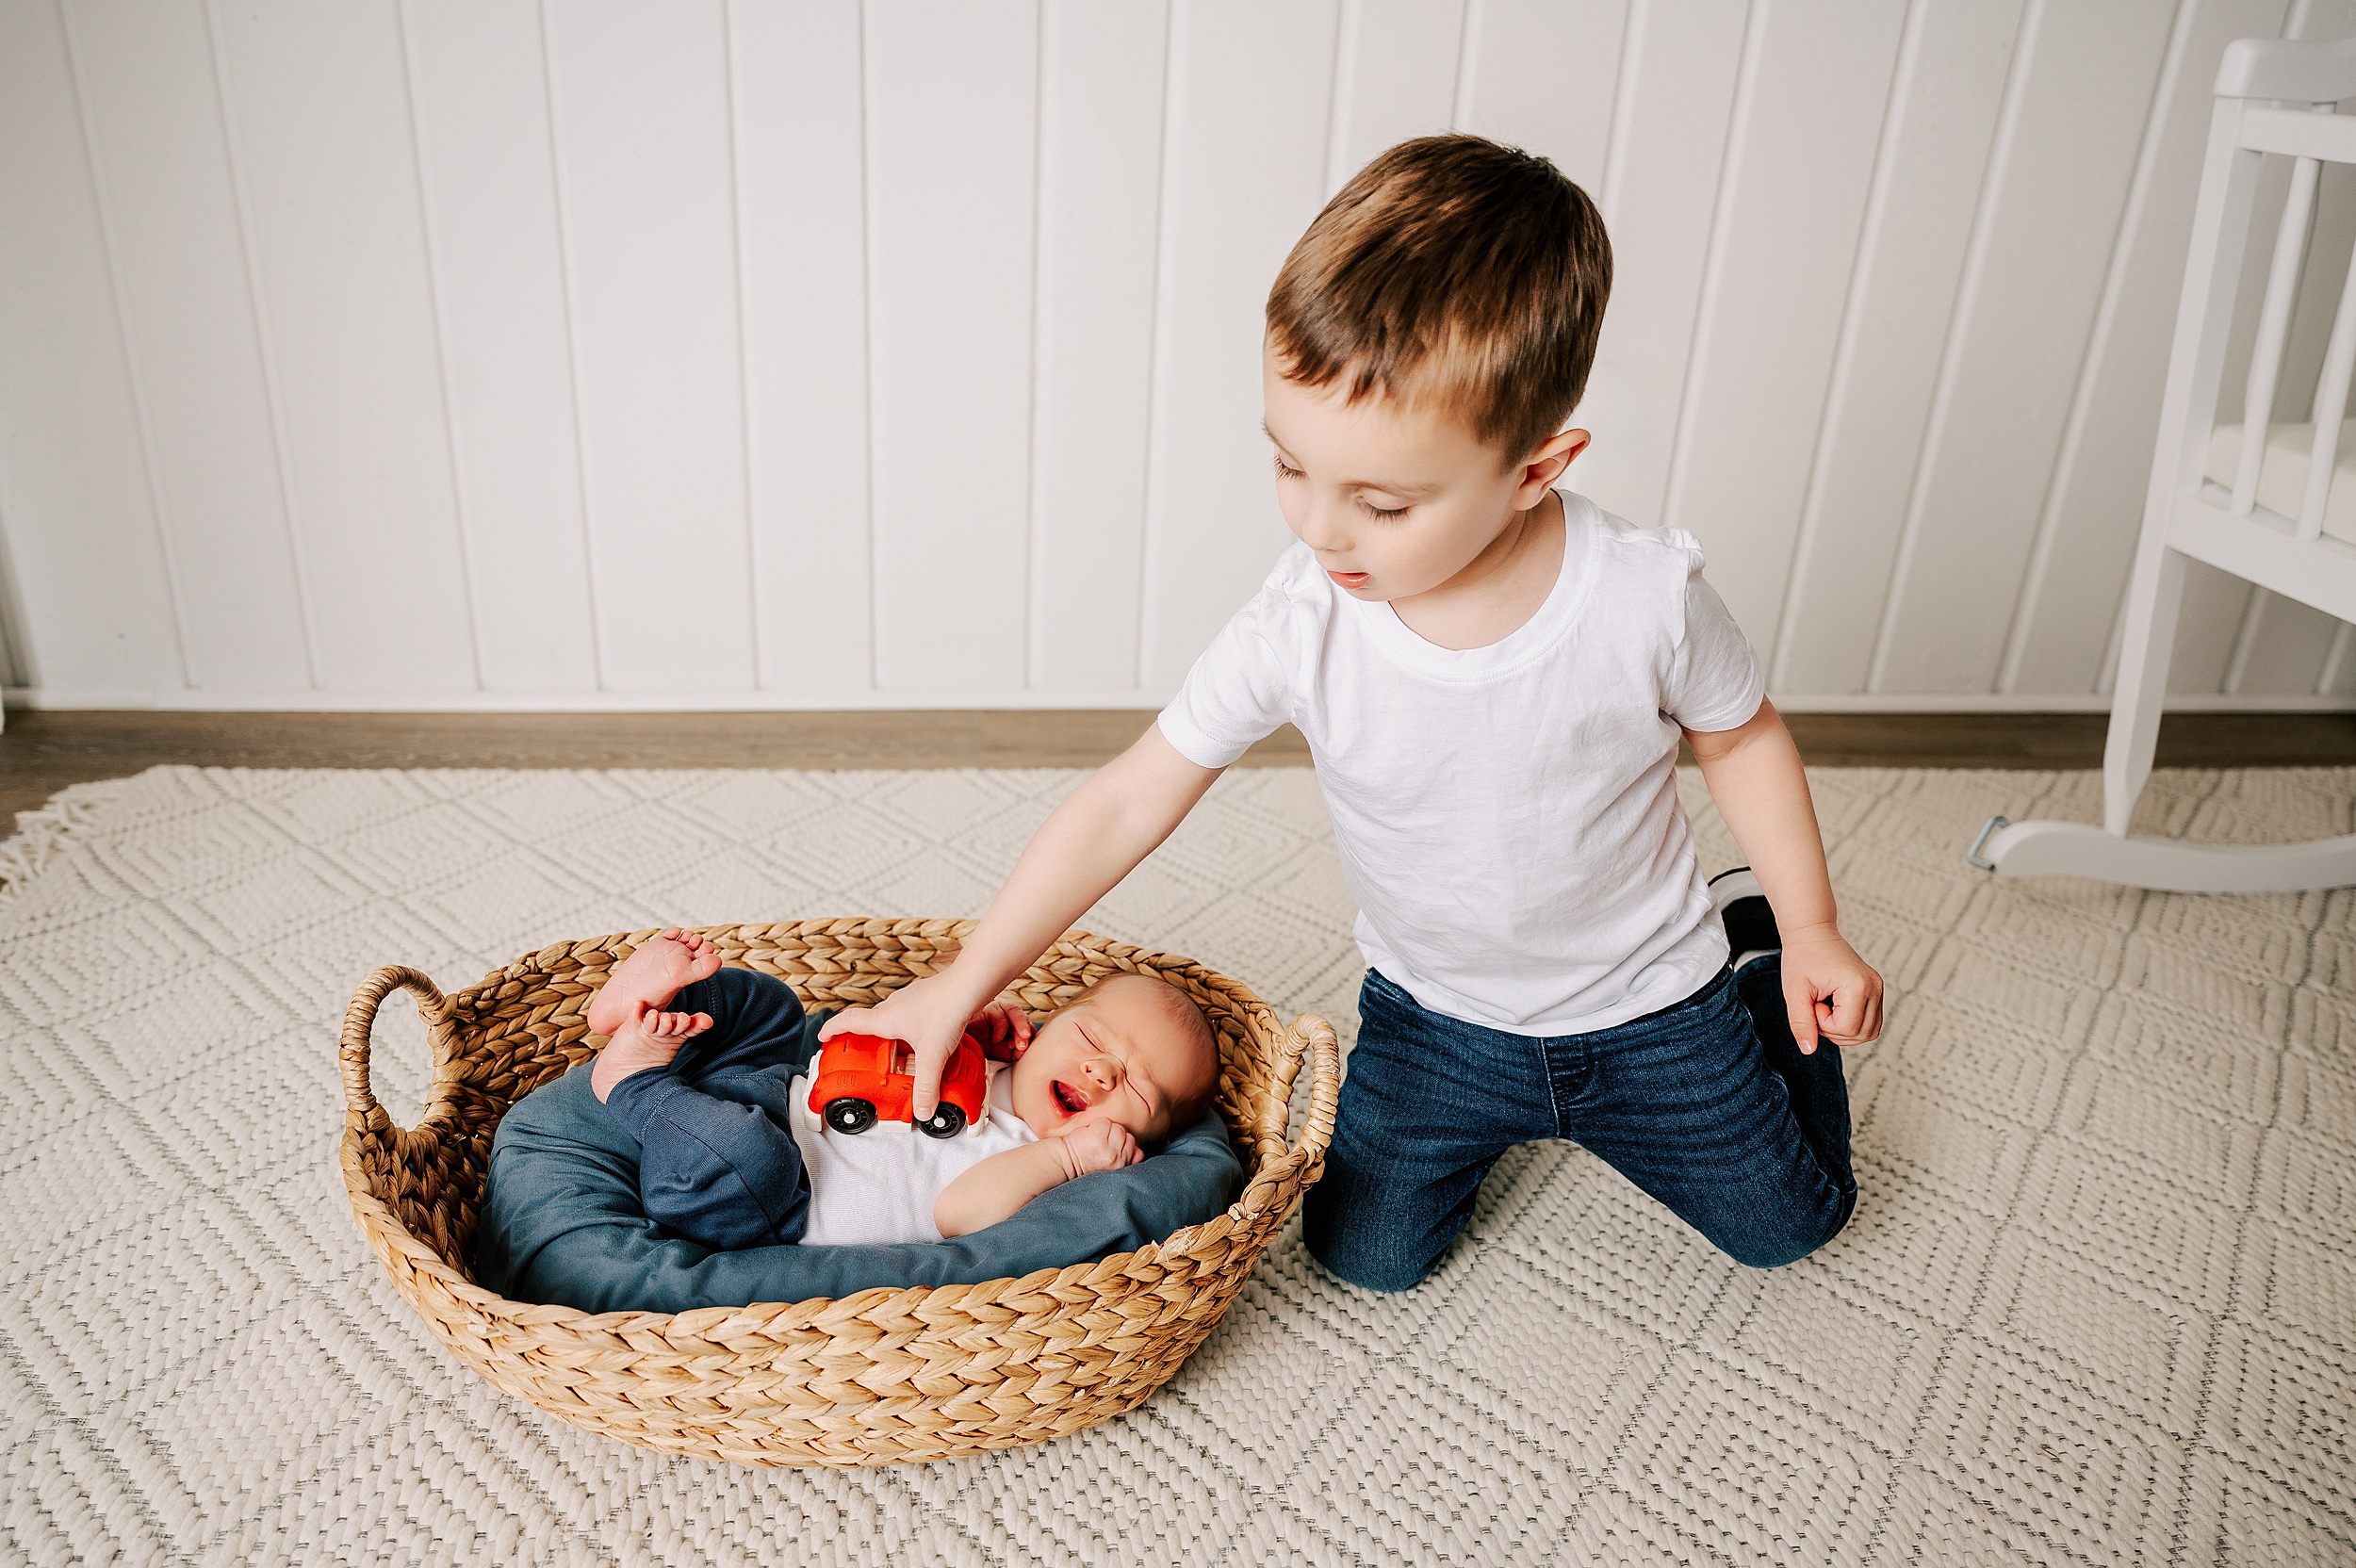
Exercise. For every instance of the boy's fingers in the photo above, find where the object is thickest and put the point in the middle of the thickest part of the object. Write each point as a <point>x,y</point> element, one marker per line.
<point>925,1069</point>
<point>849,1018</point>
<point>1859,1016</point>
<point>1799,1005</point>
<point>1804,1031</point>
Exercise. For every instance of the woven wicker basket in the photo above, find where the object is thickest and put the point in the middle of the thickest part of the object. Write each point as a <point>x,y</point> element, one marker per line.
<point>878,1377</point>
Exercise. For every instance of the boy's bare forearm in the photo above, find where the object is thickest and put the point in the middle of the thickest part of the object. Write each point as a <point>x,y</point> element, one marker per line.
<point>1117,816</point>
<point>1755,775</point>
<point>999,1186</point>
<point>1094,839</point>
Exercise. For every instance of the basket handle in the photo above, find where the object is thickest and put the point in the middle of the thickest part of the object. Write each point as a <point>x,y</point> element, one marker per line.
<point>362,1112</point>
<point>1312,1035</point>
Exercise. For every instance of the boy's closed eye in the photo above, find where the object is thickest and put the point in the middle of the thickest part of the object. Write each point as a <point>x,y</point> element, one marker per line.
<point>1384,514</point>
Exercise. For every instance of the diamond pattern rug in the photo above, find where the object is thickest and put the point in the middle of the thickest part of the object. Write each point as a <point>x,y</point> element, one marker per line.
<point>2096,1305</point>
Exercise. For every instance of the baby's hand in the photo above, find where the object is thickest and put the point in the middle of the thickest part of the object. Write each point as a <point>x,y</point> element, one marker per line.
<point>1003,1029</point>
<point>1097,1145</point>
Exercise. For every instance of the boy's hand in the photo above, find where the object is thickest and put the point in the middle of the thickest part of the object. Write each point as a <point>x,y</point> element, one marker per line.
<point>1097,1145</point>
<point>1829,991</point>
<point>1004,1029</point>
<point>1113,820</point>
<point>925,1014</point>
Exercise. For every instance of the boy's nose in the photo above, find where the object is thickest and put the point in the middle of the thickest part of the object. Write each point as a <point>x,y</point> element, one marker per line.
<point>1104,1072</point>
<point>1320,530</point>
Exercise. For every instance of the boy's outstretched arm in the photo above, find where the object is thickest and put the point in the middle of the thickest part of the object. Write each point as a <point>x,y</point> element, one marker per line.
<point>1114,819</point>
<point>1755,775</point>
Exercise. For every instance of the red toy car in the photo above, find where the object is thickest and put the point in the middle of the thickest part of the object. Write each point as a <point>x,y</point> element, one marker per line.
<point>863,1079</point>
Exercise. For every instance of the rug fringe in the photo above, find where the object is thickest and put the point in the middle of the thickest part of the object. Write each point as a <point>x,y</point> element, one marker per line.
<point>43,835</point>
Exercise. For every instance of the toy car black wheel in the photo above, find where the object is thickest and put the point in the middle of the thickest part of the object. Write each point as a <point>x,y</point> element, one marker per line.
<point>946,1121</point>
<point>850,1115</point>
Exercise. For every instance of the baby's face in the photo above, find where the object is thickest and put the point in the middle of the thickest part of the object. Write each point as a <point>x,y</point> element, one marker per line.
<point>1119,1055</point>
<point>1395,500</point>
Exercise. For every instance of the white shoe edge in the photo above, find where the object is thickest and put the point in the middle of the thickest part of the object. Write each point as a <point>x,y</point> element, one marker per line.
<point>1727,886</point>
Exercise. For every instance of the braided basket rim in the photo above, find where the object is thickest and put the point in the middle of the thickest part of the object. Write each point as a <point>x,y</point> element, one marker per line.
<point>530,1349</point>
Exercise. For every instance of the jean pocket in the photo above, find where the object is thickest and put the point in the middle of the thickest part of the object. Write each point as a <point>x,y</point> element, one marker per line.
<point>1387,988</point>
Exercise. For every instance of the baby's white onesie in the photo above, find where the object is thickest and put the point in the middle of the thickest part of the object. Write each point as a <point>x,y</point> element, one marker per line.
<point>1508,815</point>
<point>878,1186</point>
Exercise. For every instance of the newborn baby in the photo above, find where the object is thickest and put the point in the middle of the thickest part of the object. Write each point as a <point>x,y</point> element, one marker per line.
<point>704,1067</point>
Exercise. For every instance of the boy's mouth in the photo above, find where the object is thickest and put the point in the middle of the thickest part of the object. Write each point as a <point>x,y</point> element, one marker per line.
<point>1350,579</point>
<point>1067,1098</point>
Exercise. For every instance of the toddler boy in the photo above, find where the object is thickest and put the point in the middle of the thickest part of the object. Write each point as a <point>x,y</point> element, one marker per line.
<point>1493,674</point>
<point>731,1154</point>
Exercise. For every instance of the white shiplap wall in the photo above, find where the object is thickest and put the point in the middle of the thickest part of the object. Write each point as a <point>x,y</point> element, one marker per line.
<point>598,352</point>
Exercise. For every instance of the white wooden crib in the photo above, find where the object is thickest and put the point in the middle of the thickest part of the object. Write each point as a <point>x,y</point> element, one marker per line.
<point>2274,504</point>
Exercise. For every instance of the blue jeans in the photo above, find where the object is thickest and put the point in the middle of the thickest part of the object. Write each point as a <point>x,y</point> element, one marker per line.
<point>717,1163</point>
<point>1706,1104</point>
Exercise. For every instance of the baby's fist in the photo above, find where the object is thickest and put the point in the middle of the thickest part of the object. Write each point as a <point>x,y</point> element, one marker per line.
<point>1091,1146</point>
<point>1004,1029</point>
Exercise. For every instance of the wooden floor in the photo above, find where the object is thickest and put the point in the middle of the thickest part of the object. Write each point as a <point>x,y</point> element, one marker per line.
<point>41,752</point>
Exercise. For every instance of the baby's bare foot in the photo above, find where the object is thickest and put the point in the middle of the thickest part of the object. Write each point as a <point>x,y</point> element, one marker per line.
<point>659,968</point>
<point>650,1038</point>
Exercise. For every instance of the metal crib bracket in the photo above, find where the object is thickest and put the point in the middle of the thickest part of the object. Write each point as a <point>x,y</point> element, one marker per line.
<point>1980,843</point>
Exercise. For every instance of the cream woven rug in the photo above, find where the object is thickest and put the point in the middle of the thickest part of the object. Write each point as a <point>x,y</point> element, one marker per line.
<point>2096,1305</point>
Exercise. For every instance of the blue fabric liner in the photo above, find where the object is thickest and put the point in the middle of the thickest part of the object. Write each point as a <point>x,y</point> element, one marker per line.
<point>562,1221</point>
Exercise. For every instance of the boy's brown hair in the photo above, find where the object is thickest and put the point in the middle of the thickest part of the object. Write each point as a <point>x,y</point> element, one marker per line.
<point>1451,272</point>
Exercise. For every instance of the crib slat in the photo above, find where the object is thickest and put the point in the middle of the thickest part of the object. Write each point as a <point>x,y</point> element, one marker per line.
<point>2274,327</point>
<point>2331,408</point>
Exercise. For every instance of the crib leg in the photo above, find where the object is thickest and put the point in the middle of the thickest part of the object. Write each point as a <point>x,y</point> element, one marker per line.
<point>2108,854</point>
<point>2154,594</point>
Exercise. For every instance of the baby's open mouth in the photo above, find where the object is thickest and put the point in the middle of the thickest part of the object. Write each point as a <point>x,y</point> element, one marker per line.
<point>1067,1098</point>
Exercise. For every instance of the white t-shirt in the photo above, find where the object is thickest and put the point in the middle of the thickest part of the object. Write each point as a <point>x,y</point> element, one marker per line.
<point>1507,815</point>
<point>878,1186</point>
